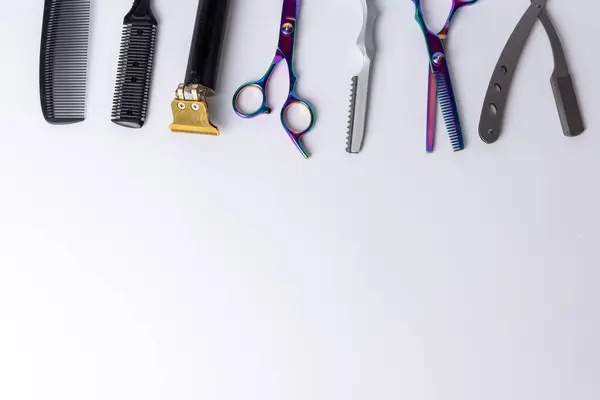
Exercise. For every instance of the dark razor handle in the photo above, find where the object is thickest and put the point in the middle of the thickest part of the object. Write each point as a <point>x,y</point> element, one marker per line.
<point>568,105</point>
<point>207,40</point>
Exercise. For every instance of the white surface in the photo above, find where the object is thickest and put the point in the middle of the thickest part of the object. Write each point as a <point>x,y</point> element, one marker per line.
<point>151,265</point>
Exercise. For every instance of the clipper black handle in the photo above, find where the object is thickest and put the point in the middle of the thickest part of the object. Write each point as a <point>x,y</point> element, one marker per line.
<point>207,42</point>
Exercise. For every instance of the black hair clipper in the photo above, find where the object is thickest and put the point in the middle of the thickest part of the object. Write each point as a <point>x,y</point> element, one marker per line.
<point>190,109</point>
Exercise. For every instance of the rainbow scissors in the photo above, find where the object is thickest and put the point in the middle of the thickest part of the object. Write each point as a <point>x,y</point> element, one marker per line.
<point>440,84</point>
<point>285,51</point>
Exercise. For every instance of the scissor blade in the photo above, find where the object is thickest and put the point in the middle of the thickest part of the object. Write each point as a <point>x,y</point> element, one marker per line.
<point>358,110</point>
<point>449,109</point>
<point>431,111</point>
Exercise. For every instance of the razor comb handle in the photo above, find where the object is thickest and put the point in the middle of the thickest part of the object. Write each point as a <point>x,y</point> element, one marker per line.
<point>562,83</point>
<point>205,52</point>
<point>141,11</point>
<point>568,105</point>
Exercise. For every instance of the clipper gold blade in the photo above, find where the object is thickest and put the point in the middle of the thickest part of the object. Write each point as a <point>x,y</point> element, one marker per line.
<point>192,117</point>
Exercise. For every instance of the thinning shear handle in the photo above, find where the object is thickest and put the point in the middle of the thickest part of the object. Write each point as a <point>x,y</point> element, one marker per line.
<point>456,5</point>
<point>494,106</point>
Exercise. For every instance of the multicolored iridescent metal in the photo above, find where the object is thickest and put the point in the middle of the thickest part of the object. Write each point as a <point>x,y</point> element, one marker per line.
<point>440,84</point>
<point>285,51</point>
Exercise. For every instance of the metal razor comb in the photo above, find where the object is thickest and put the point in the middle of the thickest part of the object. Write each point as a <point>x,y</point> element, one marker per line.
<point>359,98</point>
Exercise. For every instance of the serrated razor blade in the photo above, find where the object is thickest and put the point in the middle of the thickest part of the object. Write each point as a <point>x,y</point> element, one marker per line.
<point>358,114</point>
<point>351,123</point>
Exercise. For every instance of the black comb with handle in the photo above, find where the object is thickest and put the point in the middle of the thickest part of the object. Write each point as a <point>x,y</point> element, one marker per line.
<point>134,74</point>
<point>63,60</point>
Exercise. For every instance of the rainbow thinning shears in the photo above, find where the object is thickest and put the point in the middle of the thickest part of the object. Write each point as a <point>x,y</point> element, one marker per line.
<point>440,84</point>
<point>285,51</point>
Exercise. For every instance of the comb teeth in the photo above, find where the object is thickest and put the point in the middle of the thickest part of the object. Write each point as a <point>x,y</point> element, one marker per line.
<point>132,89</point>
<point>353,87</point>
<point>449,112</point>
<point>63,60</point>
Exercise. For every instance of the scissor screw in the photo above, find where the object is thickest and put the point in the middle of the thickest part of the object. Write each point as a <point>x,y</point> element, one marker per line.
<point>181,106</point>
<point>437,58</point>
<point>287,28</point>
<point>195,107</point>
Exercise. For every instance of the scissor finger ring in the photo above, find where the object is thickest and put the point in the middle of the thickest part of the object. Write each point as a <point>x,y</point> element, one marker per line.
<point>288,121</point>
<point>251,111</point>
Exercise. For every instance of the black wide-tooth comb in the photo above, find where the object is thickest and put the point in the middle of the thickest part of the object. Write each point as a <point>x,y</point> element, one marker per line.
<point>63,60</point>
<point>132,89</point>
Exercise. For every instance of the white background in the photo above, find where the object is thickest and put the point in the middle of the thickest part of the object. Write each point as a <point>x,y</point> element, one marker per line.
<point>152,265</point>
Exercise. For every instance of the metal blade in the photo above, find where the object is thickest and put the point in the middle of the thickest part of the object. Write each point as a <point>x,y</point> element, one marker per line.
<point>359,97</point>
<point>432,105</point>
<point>358,111</point>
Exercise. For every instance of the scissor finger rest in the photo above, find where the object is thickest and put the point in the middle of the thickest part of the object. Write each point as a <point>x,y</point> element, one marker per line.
<point>252,86</point>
